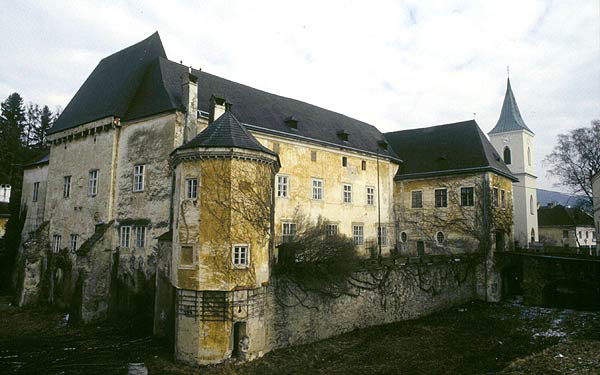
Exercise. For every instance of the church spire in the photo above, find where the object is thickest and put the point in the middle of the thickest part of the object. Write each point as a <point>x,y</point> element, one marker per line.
<point>510,117</point>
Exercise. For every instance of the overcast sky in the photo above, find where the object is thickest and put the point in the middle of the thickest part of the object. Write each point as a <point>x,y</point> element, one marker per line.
<point>396,65</point>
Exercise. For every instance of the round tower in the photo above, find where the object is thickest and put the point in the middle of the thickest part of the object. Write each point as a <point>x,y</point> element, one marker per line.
<point>221,250</point>
<point>514,141</point>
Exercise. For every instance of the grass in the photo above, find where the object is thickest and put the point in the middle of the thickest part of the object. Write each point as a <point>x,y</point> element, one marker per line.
<point>475,338</point>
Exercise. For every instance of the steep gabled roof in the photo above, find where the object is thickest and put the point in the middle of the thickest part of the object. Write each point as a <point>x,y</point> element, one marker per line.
<point>456,148</point>
<point>510,116</point>
<point>561,215</point>
<point>226,131</point>
<point>110,88</point>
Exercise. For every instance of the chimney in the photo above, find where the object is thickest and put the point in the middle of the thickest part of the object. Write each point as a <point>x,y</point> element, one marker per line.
<point>189,98</point>
<point>217,108</point>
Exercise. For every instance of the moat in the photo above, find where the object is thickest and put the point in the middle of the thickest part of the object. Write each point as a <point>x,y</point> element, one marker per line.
<point>474,338</point>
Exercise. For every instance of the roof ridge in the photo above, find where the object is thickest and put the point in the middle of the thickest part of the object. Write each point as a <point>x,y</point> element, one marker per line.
<point>430,127</point>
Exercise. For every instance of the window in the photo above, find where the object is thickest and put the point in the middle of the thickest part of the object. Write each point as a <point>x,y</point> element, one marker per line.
<point>288,232</point>
<point>466,196</point>
<point>441,197</point>
<point>587,234</point>
<point>382,236</point>
<point>283,186</point>
<point>317,189</point>
<point>440,238</point>
<point>347,193</point>
<point>565,234</point>
<point>344,161</point>
<point>507,158</point>
<point>503,198</point>
<point>138,178</point>
<point>495,197</point>
<point>56,243</point>
<point>240,255</point>
<point>532,235</point>
<point>186,256</point>
<point>364,165</point>
<point>417,199</point>
<point>36,190</point>
<point>73,242</point>
<point>125,234</point>
<point>313,156</point>
<point>403,237</point>
<point>529,156</point>
<point>191,188</point>
<point>370,196</point>
<point>332,230</point>
<point>531,204</point>
<point>358,234</point>
<point>579,234</point>
<point>66,186</point>
<point>140,236</point>
<point>93,183</point>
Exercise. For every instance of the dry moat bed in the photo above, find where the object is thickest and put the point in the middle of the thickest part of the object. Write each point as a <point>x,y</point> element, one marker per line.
<point>475,338</point>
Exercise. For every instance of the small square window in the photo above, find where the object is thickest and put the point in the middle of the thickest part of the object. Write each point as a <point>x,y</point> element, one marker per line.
<point>358,234</point>
<point>288,232</point>
<point>241,256</point>
<point>344,161</point>
<point>466,196</point>
<point>313,156</point>
<point>364,165</point>
<point>332,230</point>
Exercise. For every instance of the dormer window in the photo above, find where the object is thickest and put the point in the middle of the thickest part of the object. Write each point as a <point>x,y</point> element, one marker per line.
<point>291,122</point>
<point>343,135</point>
<point>382,144</point>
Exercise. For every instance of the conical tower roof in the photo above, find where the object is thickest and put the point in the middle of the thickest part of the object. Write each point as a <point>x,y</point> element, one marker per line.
<point>226,131</point>
<point>510,116</point>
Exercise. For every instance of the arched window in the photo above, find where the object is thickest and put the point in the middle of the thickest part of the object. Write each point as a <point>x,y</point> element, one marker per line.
<point>531,204</point>
<point>440,238</point>
<point>529,156</point>
<point>507,158</point>
<point>532,235</point>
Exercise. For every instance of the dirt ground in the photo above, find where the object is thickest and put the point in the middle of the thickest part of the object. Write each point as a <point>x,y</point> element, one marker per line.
<point>475,338</point>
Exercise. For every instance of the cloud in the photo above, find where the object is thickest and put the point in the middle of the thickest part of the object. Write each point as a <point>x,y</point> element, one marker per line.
<point>394,64</point>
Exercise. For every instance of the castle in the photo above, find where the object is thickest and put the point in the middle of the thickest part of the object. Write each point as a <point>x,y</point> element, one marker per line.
<point>171,182</point>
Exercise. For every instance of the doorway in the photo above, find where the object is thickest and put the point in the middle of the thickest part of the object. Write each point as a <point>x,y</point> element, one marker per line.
<point>239,332</point>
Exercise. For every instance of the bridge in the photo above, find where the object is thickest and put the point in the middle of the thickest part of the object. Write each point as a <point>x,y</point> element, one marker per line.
<point>551,280</point>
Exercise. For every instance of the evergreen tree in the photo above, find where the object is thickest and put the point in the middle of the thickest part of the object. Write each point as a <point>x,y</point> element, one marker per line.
<point>12,125</point>
<point>46,121</point>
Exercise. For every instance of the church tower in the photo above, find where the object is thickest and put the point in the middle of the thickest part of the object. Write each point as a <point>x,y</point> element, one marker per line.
<point>514,142</point>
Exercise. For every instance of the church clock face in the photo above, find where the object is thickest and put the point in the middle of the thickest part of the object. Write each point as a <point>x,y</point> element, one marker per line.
<point>506,140</point>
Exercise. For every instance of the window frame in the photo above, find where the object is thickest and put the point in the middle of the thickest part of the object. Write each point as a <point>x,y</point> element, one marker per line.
<point>472,196</point>
<point>332,233</point>
<point>346,193</point>
<point>403,237</point>
<point>363,165</point>
<point>189,183</point>
<point>73,242</point>
<point>412,201</point>
<point>36,191</point>
<point>66,187</point>
<point>372,195</point>
<point>344,161</point>
<point>358,238</point>
<point>56,242</point>
<point>289,235</point>
<point>238,265</point>
<point>93,178</point>
<point>138,177</point>
<point>122,236</point>
<point>382,235</point>
<point>502,198</point>
<point>437,238</point>
<point>444,198</point>
<point>318,189</point>
<point>495,197</point>
<point>180,260</point>
<point>506,148</point>
<point>137,230</point>
<point>286,190</point>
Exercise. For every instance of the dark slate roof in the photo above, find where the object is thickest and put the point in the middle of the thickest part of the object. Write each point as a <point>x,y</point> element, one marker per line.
<point>561,215</point>
<point>510,116</point>
<point>226,131</point>
<point>112,85</point>
<point>39,161</point>
<point>139,81</point>
<point>456,148</point>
